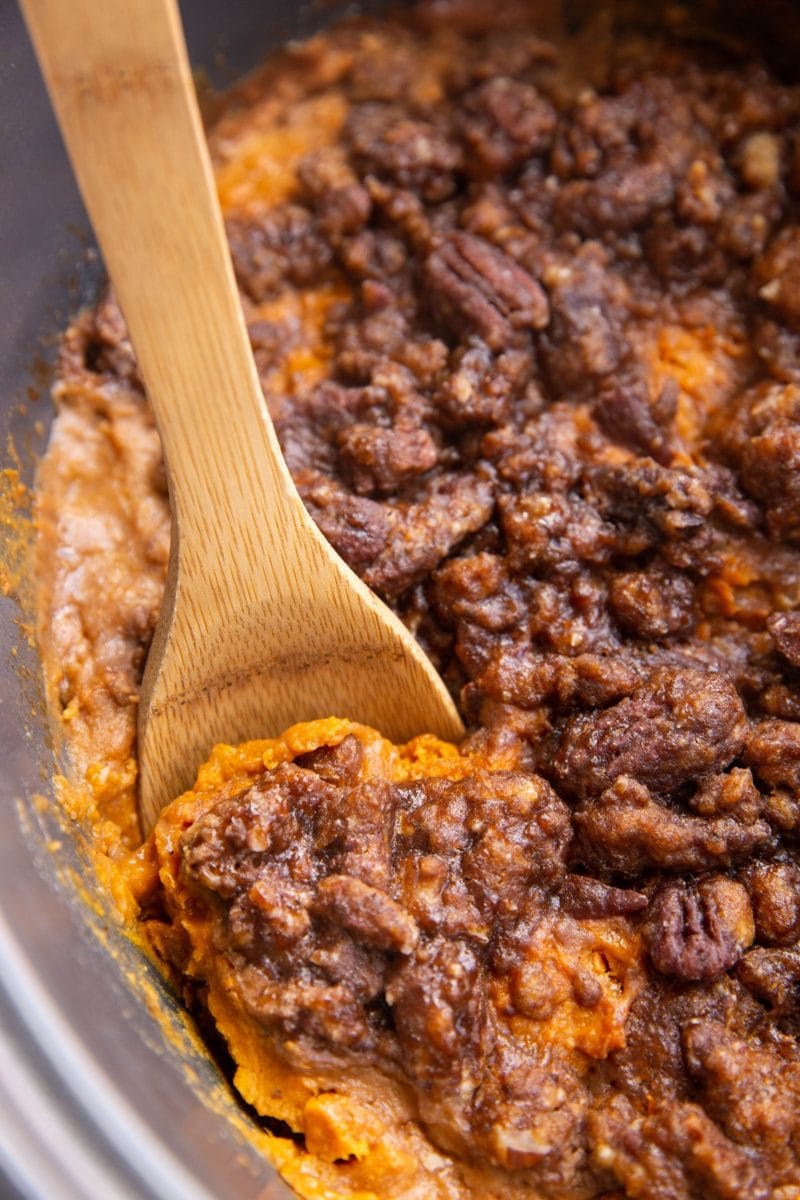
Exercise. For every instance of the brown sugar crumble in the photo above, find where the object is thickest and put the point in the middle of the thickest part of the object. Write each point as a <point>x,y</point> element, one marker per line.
<point>525,305</point>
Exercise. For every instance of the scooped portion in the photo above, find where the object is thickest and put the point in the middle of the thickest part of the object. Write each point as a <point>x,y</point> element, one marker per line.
<point>402,919</point>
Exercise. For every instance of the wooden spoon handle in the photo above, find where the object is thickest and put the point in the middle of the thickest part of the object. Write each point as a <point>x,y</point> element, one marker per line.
<point>262,624</point>
<point>120,81</point>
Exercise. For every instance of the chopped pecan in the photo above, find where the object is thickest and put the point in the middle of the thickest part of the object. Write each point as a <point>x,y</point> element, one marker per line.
<point>545,531</point>
<point>112,350</point>
<point>782,810</point>
<point>582,897</point>
<point>785,630</point>
<point>677,726</point>
<point>653,506</point>
<point>773,751</point>
<point>379,461</point>
<point>627,410</point>
<point>584,340</point>
<point>774,889</point>
<point>698,932</point>
<point>480,386</point>
<point>653,603</point>
<point>226,851</point>
<point>770,468</point>
<point>439,1009</point>
<point>357,527</point>
<point>421,534</point>
<point>671,1151</point>
<point>475,288</point>
<point>367,912</point>
<point>284,246</point>
<point>505,122</point>
<point>769,455</point>
<point>592,680</point>
<point>626,830</point>
<point>532,1108</point>
<point>772,975</point>
<point>271,916</point>
<point>341,202</point>
<point>778,274</point>
<point>732,794</point>
<point>751,1086</point>
<point>338,764</point>
<point>385,141</point>
<point>477,589</point>
<point>621,200</point>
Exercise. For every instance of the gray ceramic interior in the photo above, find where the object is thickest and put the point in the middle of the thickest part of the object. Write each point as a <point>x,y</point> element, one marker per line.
<point>94,1101</point>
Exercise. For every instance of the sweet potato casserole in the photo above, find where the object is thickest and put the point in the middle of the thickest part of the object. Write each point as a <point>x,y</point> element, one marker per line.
<point>524,296</point>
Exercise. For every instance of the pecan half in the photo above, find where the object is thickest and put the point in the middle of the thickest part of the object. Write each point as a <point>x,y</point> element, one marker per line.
<point>698,932</point>
<point>474,288</point>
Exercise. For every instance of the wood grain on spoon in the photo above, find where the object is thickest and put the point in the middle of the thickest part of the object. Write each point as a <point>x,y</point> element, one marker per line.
<point>262,624</point>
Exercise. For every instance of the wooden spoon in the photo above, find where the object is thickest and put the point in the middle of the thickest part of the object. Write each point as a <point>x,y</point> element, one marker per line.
<point>262,624</point>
